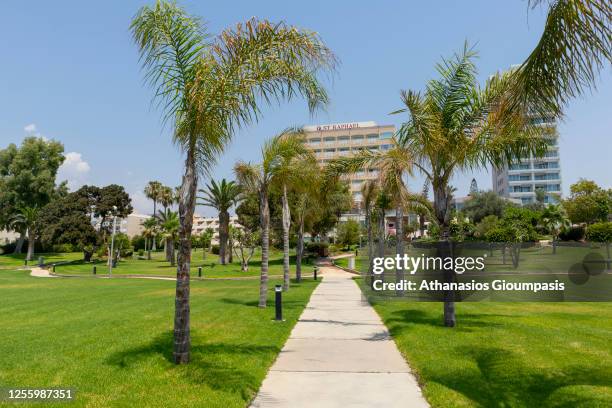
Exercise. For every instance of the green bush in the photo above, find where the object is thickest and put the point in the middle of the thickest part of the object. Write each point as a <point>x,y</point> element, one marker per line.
<point>572,234</point>
<point>215,249</point>
<point>64,248</point>
<point>600,232</point>
<point>318,248</point>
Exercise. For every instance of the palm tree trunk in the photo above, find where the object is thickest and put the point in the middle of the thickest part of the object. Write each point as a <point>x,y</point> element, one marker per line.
<point>182,336</point>
<point>154,214</point>
<point>265,245</point>
<point>368,221</point>
<point>223,227</point>
<point>20,241</point>
<point>286,224</point>
<point>299,251</point>
<point>441,208</point>
<point>422,225</point>
<point>381,234</point>
<point>31,241</point>
<point>230,247</point>
<point>399,240</point>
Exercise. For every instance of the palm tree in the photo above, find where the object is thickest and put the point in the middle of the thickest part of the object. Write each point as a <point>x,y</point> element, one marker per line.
<point>369,191</point>
<point>554,219</point>
<point>392,165</point>
<point>457,125</point>
<point>383,203</point>
<point>221,196</point>
<point>209,88</point>
<point>259,178</point>
<point>27,219</point>
<point>166,197</point>
<point>150,233</point>
<point>285,174</point>
<point>169,225</point>
<point>307,188</point>
<point>153,191</point>
<point>575,46</point>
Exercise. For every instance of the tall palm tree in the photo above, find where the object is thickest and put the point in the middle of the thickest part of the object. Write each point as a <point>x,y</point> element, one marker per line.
<point>392,165</point>
<point>169,225</point>
<point>285,174</point>
<point>153,191</point>
<point>210,87</point>
<point>307,188</point>
<point>259,178</point>
<point>575,46</point>
<point>456,125</point>
<point>166,197</point>
<point>369,191</point>
<point>221,196</point>
<point>27,219</point>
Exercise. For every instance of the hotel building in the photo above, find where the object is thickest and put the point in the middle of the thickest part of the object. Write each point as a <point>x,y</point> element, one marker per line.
<point>521,180</point>
<point>344,139</point>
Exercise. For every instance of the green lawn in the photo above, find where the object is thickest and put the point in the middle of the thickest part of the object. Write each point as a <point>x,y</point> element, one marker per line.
<point>158,266</point>
<point>507,354</point>
<point>111,340</point>
<point>11,261</point>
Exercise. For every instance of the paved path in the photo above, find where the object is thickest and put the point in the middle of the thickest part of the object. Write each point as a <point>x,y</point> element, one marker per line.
<point>339,354</point>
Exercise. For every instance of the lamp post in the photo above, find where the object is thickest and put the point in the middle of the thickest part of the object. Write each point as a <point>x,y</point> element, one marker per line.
<point>110,263</point>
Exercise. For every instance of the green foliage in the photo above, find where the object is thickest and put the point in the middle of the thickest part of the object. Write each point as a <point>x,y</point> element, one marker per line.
<point>483,204</point>
<point>215,249</point>
<point>485,225</point>
<point>588,203</point>
<point>27,175</point>
<point>347,233</point>
<point>574,233</point>
<point>517,225</point>
<point>318,248</point>
<point>67,221</point>
<point>600,232</point>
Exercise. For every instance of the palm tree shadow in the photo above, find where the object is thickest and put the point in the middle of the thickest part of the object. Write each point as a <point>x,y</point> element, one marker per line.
<point>220,366</point>
<point>404,319</point>
<point>504,378</point>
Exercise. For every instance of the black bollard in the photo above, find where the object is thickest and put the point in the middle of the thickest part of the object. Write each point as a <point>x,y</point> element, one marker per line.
<point>25,262</point>
<point>94,269</point>
<point>199,271</point>
<point>41,261</point>
<point>316,269</point>
<point>278,302</point>
<point>53,268</point>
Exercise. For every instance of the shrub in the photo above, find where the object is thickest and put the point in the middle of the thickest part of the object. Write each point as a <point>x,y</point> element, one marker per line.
<point>318,248</point>
<point>64,248</point>
<point>572,234</point>
<point>600,232</point>
<point>215,249</point>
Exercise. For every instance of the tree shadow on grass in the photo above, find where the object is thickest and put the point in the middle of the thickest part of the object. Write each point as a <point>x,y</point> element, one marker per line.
<point>506,379</point>
<point>403,320</point>
<point>225,367</point>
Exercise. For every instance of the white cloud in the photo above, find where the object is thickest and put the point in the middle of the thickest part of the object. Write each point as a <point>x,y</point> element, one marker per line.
<point>74,169</point>
<point>30,129</point>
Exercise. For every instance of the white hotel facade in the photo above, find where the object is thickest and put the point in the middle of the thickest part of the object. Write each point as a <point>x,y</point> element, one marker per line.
<point>521,180</point>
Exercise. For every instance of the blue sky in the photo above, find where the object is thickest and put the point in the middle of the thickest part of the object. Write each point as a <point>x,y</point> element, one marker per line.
<point>70,71</point>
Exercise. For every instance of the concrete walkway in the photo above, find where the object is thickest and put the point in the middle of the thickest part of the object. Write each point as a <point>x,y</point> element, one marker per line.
<point>339,354</point>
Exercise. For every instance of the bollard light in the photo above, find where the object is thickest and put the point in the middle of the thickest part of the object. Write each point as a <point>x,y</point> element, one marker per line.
<point>199,271</point>
<point>316,269</point>
<point>278,302</point>
<point>41,261</point>
<point>53,268</point>
<point>25,261</point>
<point>94,269</point>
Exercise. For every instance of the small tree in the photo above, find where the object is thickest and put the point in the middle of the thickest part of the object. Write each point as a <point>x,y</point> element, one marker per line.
<point>206,239</point>
<point>554,220</point>
<point>602,232</point>
<point>246,242</point>
<point>347,233</point>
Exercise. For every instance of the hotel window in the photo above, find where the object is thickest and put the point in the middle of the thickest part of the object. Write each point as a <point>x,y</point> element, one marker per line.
<point>343,139</point>
<point>372,148</point>
<point>519,177</point>
<point>520,166</point>
<point>372,136</point>
<point>314,141</point>
<point>357,138</point>
<point>356,182</point>
<point>344,151</point>
<point>385,147</point>
<point>386,135</point>
<point>329,140</point>
<point>549,165</point>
